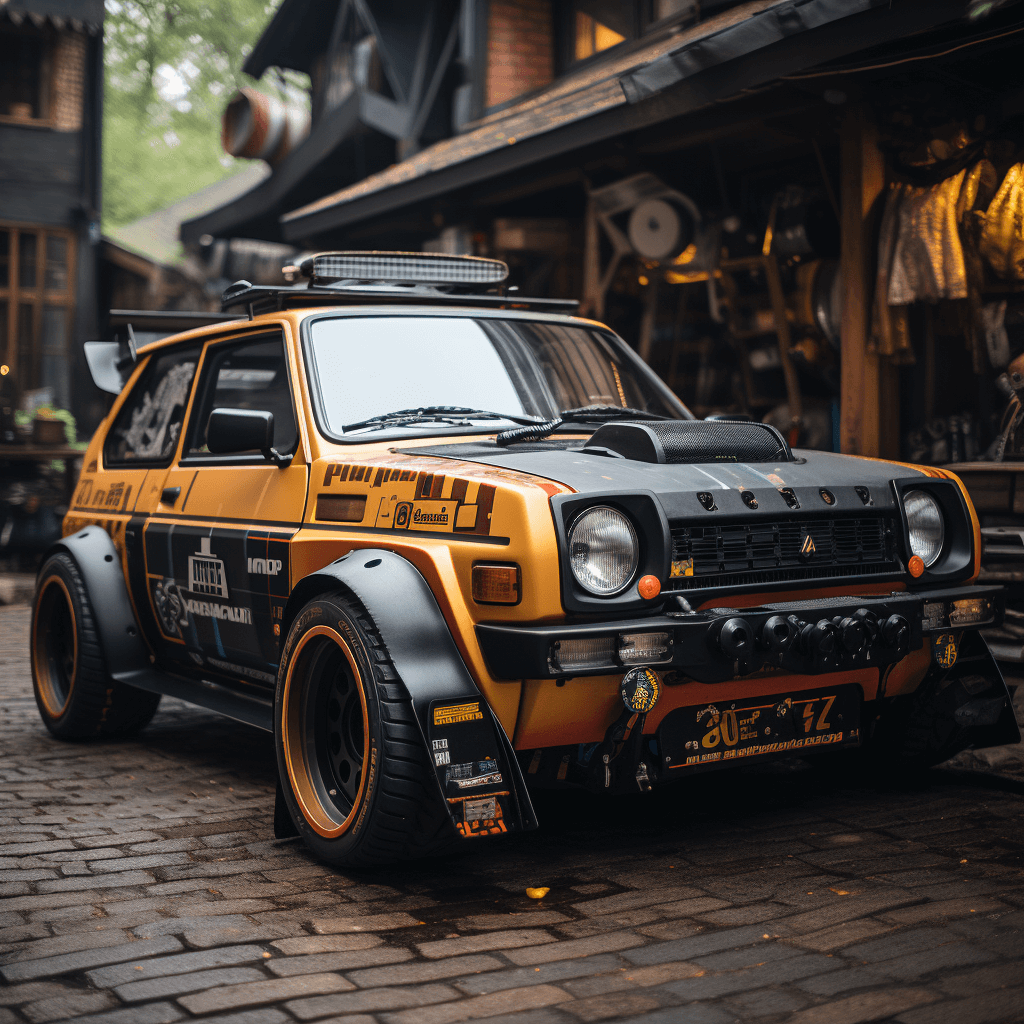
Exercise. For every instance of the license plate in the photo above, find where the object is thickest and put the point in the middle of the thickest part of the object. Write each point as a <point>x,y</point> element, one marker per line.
<point>728,731</point>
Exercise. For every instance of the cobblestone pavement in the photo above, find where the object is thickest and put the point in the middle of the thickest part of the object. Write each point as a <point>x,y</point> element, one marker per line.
<point>141,883</point>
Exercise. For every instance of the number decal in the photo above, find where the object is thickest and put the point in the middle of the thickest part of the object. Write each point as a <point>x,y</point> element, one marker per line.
<point>821,724</point>
<point>730,729</point>
<point>713,735</point>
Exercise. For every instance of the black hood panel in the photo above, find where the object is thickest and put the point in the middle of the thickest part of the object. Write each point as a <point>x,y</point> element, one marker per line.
<point>677,485</point>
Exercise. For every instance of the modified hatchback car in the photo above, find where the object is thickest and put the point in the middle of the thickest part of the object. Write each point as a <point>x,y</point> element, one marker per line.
<point>449,544</point>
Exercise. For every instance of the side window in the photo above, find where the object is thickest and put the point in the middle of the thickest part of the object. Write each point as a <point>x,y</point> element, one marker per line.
<point>148,425</point>
<point>250,375</point>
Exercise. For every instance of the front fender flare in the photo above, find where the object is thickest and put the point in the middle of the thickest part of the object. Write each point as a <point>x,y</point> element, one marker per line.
<point>421,647</point>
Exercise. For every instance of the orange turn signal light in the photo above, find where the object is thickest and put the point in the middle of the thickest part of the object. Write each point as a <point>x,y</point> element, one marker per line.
<point>496,584</point>
<point>649,587</point>
<point>916,565</point>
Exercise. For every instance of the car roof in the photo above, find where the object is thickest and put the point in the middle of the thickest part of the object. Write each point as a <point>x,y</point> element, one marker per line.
<point>296,316</point>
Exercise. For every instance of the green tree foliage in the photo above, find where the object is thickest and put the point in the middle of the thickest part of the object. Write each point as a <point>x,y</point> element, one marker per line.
<point>171,66</point>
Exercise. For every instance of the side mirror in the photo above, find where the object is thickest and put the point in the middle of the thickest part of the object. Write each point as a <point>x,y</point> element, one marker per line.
<point>239,430</point>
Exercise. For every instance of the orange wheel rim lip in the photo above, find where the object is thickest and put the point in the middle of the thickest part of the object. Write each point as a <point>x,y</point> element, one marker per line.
<point>317,816</point>
<point>40,660</point>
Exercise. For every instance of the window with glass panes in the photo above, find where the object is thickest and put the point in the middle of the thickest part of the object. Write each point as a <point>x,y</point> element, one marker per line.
<point>36,301</point>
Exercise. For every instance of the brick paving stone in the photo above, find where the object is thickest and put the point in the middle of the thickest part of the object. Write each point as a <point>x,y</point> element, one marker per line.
<point>267,1015</point>
<point>840,935</point>
<point>314,963</point>
<point>369,923</point>
<point>632,900</point>
<point>866,1006</point>
<point>12,995</point>
<point>375,999</point>
<point>181,984</point>
<point>574,947</point>
<point>229,997</point>
<point>183,963</point>
<point>615,1004</point>
<point>945,957</point>
<point>665,930</point>
<point>998,1007</point>
<point>981,979</point>
<point>70,1004</point>
<point>559,971</point>
<point>151,1013</point>
<point>695,1013</point>
<point>51,966</point>
<point>325,943</point>
<point>404,974</point>
<point>475,1007</point>
<point>65,944</point>
<point>698,945</point>
<point>497,922</point>
<point>482,943</point>
<point>764,1002</point>
<point>937,910</point>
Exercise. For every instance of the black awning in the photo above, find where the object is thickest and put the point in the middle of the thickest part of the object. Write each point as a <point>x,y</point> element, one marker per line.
<point>743,48</point>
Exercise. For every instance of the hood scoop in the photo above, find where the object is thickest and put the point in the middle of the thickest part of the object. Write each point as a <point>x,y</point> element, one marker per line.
<point>691,441</point>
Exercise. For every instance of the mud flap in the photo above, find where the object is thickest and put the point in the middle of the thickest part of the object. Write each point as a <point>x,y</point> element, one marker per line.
<point>964,706</point>
<point>478,775</point>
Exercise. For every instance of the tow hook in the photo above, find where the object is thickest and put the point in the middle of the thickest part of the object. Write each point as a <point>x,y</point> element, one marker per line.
<point>641,778</point>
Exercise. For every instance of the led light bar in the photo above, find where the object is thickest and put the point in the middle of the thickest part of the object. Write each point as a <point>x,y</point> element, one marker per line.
<point>583,653</point>
<point>403,268</point>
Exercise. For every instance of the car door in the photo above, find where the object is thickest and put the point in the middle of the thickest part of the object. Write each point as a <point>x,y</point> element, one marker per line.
<point>217,548</point>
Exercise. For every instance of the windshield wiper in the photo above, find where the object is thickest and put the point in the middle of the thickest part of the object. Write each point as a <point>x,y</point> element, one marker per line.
<point>454,415</point>
<point>609,412</point>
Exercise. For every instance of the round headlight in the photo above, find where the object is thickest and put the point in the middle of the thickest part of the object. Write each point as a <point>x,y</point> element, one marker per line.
<point>603,551</point>
<point>927,528</point>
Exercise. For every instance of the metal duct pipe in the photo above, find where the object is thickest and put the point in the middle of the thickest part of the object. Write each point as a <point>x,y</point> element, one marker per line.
<point>261,127</point>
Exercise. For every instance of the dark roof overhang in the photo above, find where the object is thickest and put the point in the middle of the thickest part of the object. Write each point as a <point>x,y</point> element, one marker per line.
<point>746,48</point>
<point>287,41</point>
<point>80,15</point>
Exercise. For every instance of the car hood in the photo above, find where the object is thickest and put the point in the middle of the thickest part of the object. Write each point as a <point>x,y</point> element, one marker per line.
<point>677,485</point>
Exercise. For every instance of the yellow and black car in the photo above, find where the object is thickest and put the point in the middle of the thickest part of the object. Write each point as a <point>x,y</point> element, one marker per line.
<point>449,544</point>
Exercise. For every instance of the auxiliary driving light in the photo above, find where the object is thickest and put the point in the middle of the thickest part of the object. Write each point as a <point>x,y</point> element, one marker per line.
<point>967,611</point>
<point>581,654</point>
<point>644,648</point>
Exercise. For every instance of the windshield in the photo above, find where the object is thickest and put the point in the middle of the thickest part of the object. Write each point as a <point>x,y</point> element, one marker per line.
<point>421,374</point>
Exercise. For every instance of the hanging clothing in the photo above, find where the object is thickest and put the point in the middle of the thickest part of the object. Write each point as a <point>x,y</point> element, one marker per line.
<point>1002,232</point>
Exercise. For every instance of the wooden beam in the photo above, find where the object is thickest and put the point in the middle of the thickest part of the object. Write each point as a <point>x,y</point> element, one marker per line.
<point>867,389</point>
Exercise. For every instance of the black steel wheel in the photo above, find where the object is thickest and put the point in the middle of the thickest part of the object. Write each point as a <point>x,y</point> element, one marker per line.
<point>76,697</point>
<point>351,760</point>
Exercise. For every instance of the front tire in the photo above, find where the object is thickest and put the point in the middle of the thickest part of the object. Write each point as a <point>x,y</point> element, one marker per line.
<point>76,697</point>
<point>353,769</point>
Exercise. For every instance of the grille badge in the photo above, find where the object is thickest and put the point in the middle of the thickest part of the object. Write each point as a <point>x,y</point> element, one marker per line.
<point>807,547</point>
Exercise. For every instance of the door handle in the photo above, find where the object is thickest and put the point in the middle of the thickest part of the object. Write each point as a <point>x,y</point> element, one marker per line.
<point>169,495</point>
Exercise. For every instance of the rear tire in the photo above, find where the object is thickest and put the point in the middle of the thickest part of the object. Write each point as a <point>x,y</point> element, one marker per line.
<point>76,697</point>
<point>351,759</point>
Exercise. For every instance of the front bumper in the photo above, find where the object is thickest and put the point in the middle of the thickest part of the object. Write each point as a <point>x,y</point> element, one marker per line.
<point>810,637</point>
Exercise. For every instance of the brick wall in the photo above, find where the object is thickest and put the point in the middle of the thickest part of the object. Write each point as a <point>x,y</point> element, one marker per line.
<point>68,81</point>
<point>520,48</point>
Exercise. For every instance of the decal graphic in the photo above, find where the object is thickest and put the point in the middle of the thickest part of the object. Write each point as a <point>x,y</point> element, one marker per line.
<point>640,689</point>
<point>242,670</point>
<point>458,713</point>
<point>473,774</point>
<point>807,547</point>
<point>170,607</point>
<point>265,566</point>
<point>224,612</point>
<point>442,756</point>
<point>944,649</point>
<point>206,573</point>
<point>682,568</point>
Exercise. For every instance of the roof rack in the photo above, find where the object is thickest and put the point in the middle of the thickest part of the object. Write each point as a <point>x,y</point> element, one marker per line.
<point>399,278</point>
<point>270,298</point>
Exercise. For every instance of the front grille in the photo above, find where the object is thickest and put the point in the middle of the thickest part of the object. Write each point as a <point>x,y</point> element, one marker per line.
<point>755,552</point>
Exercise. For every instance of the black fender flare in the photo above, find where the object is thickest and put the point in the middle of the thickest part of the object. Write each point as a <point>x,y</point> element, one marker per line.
<point>420,645</point>
<point>97,559</point>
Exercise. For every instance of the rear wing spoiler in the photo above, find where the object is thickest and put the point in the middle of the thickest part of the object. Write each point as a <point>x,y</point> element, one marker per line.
<point>110,362</point>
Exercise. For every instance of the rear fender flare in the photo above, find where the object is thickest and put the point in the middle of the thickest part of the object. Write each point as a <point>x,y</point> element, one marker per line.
<point>421,647</point>
<point>97,559</point>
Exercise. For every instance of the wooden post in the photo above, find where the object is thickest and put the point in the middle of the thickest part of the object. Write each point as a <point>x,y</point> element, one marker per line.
<point>868,393</point>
